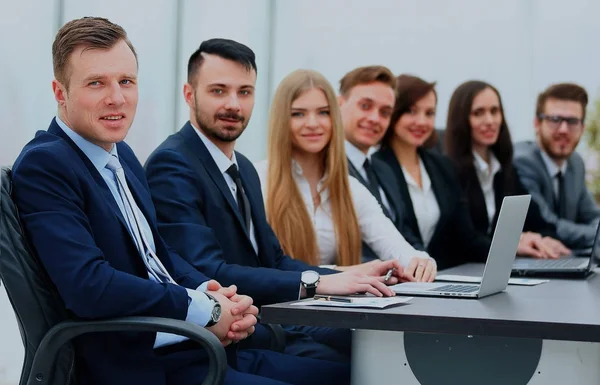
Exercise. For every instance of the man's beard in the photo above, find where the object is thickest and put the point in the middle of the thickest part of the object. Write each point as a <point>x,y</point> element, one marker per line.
<point>546,145</point>
<point>228,134</point>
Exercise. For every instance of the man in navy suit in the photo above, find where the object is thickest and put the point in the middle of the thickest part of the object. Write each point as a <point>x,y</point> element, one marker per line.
<point>86,209</point>
<point>202,188</point>
<point>367,96</point>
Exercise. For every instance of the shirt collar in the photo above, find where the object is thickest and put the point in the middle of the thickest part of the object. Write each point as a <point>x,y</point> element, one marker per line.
<point>552,168</point>
<point>425,180</point>
<point>483,167</point>
<point>222,161</point>
<point>356,156</point>
<point>299,173</point>
<point>96,154</point>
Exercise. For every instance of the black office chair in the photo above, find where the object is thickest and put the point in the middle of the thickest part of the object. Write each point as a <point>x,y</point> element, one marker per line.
<point>43,320</point>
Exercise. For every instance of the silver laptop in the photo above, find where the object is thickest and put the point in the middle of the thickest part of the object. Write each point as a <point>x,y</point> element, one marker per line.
<point>499,262</point>
<point>578,265</point>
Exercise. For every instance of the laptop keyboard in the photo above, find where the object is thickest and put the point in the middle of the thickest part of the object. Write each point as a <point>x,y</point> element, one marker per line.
<point>557,263</point>
<point>456,288</point>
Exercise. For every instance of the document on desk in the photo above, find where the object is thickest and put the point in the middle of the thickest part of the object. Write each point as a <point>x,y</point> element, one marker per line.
<point>355,302</point>
<point>471,279</point>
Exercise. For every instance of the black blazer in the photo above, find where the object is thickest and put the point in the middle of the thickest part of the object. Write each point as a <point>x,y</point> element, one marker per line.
<point>390,188</point>
<point>503,186</point>
<point>455,240</point>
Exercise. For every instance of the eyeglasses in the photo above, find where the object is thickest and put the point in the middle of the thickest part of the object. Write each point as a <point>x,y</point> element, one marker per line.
<point>555,121</point>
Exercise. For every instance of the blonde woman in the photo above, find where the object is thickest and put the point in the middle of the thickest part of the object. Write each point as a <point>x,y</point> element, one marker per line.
<point>319,214</point>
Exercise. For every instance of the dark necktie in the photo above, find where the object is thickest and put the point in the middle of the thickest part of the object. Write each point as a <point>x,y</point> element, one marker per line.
<point>560,206</point>
<point>242,199</point>
<point>372,183</point>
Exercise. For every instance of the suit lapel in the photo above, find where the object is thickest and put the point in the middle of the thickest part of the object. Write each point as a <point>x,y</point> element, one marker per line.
<point>384,182</point>
<point>354,172</point>
<point>441,192</point>
<point>110,199</point>
<point>549,185</point>
<point>196,148</point>
<point>474,193</point>
<point>387,155</point>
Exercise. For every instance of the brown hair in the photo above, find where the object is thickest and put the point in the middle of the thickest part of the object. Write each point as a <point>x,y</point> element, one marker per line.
<point>458,135</point>
<point>409,90</point>
<point>286,211</point>
<point>562,91</point>
<point>365,75</point>
<point>89,32</point>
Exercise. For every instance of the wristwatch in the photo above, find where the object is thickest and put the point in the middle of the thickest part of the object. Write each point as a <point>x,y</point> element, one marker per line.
<point>310,280</point>
<point>215,314</point>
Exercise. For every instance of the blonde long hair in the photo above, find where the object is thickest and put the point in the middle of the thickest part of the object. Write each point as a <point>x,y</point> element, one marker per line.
<point>286,211</point>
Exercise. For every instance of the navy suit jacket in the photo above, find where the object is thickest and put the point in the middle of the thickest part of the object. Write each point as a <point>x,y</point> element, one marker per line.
<point>455,240</point>
<point>193,202</point>
<point>80,236</point>
<point>391,189</point>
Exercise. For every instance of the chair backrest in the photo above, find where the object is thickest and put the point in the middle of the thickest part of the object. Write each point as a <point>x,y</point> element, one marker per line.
<point>33,296</point>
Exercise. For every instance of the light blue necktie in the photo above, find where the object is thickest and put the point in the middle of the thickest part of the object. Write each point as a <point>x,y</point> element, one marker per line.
<point>153,265</point>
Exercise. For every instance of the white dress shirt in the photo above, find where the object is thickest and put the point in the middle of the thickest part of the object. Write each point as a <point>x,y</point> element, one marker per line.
<point>425,205</point>
<point>376,229</point>
<point>357,158</point>
<point>223,163</point>
<point>553,169</point>
<point>486,173</point>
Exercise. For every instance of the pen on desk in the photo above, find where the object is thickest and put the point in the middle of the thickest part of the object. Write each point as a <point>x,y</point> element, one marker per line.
<point>333,299</point>
<point>388,275</point>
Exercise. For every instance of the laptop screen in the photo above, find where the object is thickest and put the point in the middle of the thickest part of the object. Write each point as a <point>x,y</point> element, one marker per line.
<point>595,253</point>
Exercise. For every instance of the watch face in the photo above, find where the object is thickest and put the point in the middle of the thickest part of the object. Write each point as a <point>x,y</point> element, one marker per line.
<point>216,314</point>
<point>310,277</point>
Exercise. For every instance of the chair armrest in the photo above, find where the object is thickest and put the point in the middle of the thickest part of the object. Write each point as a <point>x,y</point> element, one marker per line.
<point>277,337</point>
<point>45,356</point>
<point>277,333</point>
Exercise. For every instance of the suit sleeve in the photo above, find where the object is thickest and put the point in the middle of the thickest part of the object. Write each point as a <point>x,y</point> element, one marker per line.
<point>587,209</point>
<point>50,199</point>
<point>178,200</point>
<point>534,221</point>
<point>569,232</point>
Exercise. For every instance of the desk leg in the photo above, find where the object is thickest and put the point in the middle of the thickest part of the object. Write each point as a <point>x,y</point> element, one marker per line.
<point>384,357</point>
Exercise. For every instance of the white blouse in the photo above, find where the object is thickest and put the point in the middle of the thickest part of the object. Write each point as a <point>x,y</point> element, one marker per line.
<point>425,204</point>
<point>376,229</point>
<point>485,174</point>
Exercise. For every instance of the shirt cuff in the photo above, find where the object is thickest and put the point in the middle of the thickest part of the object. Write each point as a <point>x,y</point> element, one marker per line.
<point>199,311</point>
<point>202,287</point>
<point>200,307</point>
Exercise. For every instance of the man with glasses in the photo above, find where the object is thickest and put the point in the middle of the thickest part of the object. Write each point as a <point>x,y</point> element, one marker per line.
<point>551,169</point>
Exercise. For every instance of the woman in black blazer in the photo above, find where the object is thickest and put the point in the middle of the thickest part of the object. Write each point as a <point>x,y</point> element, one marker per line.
<point>479,143</point>
<point>436,208</point>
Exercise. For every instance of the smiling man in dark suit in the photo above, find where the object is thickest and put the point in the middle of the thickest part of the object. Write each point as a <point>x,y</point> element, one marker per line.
<point>203,188</point>
<point>84,201</point>
<point>366,101</point>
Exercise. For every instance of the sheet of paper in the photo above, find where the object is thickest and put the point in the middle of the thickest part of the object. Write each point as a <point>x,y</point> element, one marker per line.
<point>471,279</point>
<point>361,302</point>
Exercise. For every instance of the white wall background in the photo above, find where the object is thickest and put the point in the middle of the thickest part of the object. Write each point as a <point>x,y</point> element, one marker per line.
<point>520,46</point>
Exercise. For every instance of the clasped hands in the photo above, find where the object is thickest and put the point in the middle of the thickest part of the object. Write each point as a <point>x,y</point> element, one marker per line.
<point>238,314</point>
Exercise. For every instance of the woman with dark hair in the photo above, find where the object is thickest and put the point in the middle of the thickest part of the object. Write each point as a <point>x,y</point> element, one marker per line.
<point>436,208</point>
<point>479,143</point>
